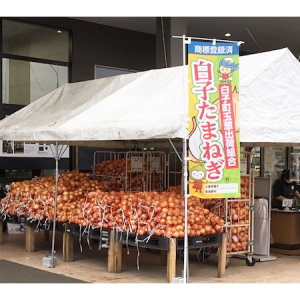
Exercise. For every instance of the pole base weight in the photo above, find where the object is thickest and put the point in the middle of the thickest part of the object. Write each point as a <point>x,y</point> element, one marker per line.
<point>47,262</point>
<point>177,280</point>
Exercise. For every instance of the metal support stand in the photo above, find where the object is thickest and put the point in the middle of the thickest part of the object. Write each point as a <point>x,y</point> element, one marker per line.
<point>264,190</point>
<point>52,262</point>
<point>53,259</point>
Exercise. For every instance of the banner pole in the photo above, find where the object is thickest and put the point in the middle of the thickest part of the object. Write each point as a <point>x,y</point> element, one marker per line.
<point>52,264</point>
<point>185,169</point>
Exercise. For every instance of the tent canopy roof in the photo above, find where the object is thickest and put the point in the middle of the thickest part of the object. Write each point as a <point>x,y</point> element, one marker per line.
<point>138,106</point>
<point>149,106</point>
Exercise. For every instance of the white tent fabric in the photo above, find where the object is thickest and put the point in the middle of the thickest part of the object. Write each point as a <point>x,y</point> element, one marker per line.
<point>150,106</point>
<point>270,99</point>
<point>144,105</point>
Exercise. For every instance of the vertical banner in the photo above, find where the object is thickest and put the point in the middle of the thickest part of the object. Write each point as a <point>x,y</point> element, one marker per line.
<point>214,132</point>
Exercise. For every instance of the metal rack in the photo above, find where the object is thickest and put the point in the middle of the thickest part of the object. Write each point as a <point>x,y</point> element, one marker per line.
<point>262,189</point>
<point>174,169</point>
<point>138,170</point>
<point>239,220</point>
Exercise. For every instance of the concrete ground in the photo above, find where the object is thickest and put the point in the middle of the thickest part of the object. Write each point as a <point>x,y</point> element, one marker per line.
<point>142,266</point>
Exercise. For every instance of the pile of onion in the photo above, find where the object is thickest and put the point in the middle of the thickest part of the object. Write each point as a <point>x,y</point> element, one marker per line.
<point>237,216</point>
<point>113,173</point>
<point>238,231</point>
<point>83,201</point>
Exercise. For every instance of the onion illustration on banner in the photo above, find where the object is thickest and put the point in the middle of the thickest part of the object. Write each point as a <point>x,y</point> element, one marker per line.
<point>194,142</point>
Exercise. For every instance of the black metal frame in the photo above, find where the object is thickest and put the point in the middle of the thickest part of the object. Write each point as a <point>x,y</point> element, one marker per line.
<point>37,60</point>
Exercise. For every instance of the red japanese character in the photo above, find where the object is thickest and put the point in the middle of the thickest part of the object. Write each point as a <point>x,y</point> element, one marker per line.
<point>209,131</point>
<point>212,151</point>
<point>206,111</point>
<point>213,170</point>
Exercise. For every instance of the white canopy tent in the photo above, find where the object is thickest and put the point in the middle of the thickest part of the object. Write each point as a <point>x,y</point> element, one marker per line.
<point>150,106</point>
<point>140,106</point>
<point>270,99</point>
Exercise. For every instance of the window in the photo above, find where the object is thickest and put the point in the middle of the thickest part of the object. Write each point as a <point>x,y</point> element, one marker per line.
<point>295,164</point>
<point>256,160</point>
<point>35,61</point>
<point>34,41</point>
<point>25,81</point>
<point>274,161</point>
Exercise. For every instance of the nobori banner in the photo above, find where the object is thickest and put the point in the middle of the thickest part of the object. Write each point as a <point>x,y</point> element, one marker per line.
<point>214,144</point>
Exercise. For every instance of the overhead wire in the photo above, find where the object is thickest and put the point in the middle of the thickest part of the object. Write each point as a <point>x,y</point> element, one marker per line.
<point>36,79</point>
<point>57,83</point>
<point>164,42</point>
<point>254,39</point>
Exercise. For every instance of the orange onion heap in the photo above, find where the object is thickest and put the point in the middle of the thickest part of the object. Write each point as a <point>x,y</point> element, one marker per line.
<point>238,231</point>
<point>237,215</point>
<point>245,186</point>
<point>113,175</point>
<point>147,213</point>
<point>83,201</point>
<point>35,198</point>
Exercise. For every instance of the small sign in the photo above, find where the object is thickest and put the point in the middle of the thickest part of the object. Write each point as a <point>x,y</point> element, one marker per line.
<point>104,239</point>
<point>22,224</point>
<point>136,164</point>
<point>155,164</point>
<point>243,166</point>
<point>287,202</point>
<point>269,160</point>
<point>21,149</point>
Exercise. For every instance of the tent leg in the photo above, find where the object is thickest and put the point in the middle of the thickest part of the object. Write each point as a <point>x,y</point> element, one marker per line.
<point>222,256</point>
<point>1,232</point>
<point>171,258</point>
<point>68,245</point>
<point>76,158</point>
<point>52,264</point>
<point>30,239</point>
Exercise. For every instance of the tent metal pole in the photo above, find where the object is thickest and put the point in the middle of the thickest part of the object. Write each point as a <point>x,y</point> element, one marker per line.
<point>55,204</point>
<point>76,158</point>
<point>178,155</point>
<point>269,220</point>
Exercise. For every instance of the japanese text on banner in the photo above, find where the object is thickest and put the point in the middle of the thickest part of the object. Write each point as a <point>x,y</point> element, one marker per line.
<point>214,170</point>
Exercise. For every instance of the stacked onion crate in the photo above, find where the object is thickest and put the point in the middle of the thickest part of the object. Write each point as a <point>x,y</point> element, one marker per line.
<point>109,170</point>
<point>174,164</point>
<point>238,215</point>
<point>133,171</point>
<point>239,221</point>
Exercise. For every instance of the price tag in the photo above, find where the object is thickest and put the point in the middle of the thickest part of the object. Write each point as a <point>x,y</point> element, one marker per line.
<point>136,164</point>
<point>287,203</point>
<point>155,164</point>
<point>243,166</point>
